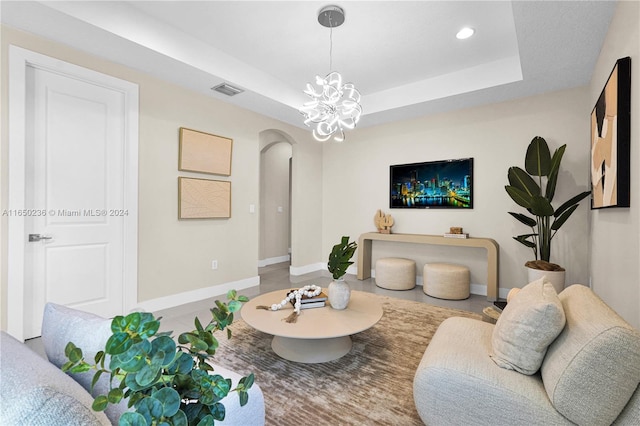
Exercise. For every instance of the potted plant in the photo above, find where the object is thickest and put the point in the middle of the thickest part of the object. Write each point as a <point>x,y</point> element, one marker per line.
<point>339,261</point>
<point>534,189</point>
<point>165,382</point>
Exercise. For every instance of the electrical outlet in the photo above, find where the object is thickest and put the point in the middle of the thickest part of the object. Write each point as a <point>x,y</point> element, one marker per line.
<point>214,264</point>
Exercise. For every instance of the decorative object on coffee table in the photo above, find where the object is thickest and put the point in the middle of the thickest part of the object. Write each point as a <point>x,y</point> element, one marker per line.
<point>383,222</point>
<point>339,261</point>
<point>319,335</point>
<point>294,296</point>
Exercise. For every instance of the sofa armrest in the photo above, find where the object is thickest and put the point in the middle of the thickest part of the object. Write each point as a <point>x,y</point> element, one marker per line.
<point>35,392</point>
<point>457,383</point>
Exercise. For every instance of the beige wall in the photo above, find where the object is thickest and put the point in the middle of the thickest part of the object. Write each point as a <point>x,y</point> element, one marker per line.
<point>615,233</point>
<point>356,181</point>
<point>175,256</point>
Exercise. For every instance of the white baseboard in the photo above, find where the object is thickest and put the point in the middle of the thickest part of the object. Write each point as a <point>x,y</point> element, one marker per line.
<point>273,260</point>
<point>301,270</point>
<point>166,302</point>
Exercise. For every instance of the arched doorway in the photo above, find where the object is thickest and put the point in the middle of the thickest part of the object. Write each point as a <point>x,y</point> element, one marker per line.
<point>276,157</point>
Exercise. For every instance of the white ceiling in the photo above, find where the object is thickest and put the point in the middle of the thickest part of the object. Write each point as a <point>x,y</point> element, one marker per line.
<point>402,55</point>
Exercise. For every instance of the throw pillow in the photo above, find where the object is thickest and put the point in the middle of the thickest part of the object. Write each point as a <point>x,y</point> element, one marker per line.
<point>527,326</point>
<point>90,333</point>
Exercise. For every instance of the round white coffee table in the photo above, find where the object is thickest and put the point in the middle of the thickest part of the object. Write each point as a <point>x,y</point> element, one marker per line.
<point>319,334</point>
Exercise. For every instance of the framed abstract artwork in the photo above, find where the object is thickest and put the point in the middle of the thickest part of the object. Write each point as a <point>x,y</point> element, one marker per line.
<point>611,139</point>
<point>204,153</point>
<point>203,198</point>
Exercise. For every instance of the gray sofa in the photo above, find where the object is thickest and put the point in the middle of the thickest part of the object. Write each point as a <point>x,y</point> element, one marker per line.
<point>36,392</point>
<point>589,375</point>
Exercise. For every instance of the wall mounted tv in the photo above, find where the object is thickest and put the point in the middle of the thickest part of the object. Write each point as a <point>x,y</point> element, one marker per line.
<point>432,184</point>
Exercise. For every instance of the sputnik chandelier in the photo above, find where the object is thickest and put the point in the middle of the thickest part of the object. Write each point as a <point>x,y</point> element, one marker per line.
<point>334,106</point>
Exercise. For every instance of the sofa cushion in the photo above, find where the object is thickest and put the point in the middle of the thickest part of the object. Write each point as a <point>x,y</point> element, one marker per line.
<point>35,392</point>
<point>526,327</point>
<point>593,368</point>
<point>90,333</point>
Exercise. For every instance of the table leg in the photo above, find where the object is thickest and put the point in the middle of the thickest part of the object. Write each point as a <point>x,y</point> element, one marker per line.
<point>311,351</point>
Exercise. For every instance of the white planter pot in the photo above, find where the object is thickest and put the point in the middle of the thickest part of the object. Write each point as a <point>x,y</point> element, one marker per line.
<point>554,277</point>
<point>339,294</point>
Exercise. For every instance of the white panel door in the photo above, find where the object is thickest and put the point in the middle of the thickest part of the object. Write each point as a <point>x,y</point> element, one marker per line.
<point>74,196</point>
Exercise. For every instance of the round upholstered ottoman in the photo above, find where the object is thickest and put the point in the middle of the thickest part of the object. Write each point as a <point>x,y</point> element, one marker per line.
<point>446,281</point>
<point>394,273</point>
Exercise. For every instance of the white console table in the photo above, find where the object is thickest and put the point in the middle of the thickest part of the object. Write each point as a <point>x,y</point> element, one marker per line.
<point>365,245</point>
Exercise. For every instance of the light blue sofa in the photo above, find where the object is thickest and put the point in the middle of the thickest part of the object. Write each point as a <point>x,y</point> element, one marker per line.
<point>35,392</point>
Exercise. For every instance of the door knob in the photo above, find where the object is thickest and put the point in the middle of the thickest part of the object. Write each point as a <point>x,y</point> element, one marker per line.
<point>37,237</point>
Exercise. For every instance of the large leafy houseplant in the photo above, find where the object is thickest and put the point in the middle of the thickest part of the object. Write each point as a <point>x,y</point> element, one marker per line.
<point>340,256</point>
<point>534,189</point>
<point>165,383</point>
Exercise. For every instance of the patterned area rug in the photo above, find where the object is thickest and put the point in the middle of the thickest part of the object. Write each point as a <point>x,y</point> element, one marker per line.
<point>371,385</point>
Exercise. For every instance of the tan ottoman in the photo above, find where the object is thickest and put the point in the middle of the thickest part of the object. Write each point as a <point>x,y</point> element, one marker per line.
<point>446,281</point>
<point>394,273</point>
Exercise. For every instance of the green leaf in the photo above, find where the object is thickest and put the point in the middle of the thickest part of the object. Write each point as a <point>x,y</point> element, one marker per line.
<point>118,324</point>
<point>180,419</point>
<point>243,299</point>
<point>170,400</point>
<point>80,368</point>
<point>520,179</point>
<point>207,420</point>
<point>537,161</point>
<point>563,218</point>
<point>244,398</point>
<point>99,357</point>
<point>149,374</point>
<point>130,418</point>
<point>67,366</point>
<point>198,325</point>
<point>100,403</point>
<point>234,306</point>
<point>521,197</point>
<point>150,408</point>
<point>118,343</point>
<point>247,381</point>
<point>524,219</point>
<point>232,294</point>
<point>70,347</point>
<point>553,173</point>
<point>75,355</point>
<point>571,202</point>
<point>540,206</point>
<point>218,411</point>
<point>96,377</point>
<point>523,239</point>
<point>167,346</point>
<point>115,395</point>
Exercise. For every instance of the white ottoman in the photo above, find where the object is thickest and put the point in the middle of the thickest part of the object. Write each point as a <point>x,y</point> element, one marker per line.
<point>446,281</point>
<point>394,273</point>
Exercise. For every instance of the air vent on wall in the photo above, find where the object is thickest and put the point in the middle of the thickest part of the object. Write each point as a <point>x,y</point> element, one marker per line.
<point>227,89</point>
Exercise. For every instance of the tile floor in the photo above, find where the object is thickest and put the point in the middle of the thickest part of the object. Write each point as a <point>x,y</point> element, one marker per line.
<point>276,277</point>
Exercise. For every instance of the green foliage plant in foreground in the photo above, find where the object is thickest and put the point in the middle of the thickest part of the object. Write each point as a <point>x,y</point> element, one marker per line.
<point>165,383</point>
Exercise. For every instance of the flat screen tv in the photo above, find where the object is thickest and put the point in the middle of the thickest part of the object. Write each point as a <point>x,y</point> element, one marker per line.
<point>432,184</point>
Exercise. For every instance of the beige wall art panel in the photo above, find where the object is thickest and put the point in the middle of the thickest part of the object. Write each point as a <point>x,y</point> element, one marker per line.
<point>204,152</point>
<point>203,198</point>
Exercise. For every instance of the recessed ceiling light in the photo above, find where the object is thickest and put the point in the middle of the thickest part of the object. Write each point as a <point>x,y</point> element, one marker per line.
<point>464,33</point>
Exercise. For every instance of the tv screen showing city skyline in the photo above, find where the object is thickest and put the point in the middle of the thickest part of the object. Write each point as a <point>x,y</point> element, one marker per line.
<point>432,184</point>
